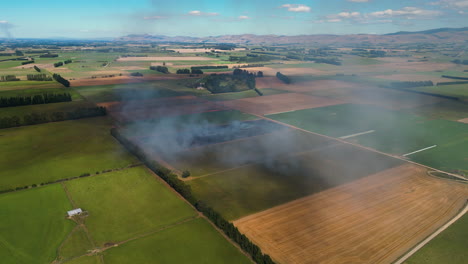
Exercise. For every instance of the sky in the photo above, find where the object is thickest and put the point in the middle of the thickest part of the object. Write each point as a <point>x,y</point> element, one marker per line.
<point>115,18</point>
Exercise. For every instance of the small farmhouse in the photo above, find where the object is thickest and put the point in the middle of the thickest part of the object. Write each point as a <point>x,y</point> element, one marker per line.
<point>74,212</point>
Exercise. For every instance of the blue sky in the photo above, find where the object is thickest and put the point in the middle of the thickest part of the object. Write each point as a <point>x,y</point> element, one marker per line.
<point>113,18</point>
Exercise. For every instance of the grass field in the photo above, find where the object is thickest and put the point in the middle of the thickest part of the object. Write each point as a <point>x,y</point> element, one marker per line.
<point>447,247</point>
<point>52,151</point>
<point>456,90</point>
<point>241,95</point>
<point>193,242</point>
<point>20,85</point>
<point>76,244</point>
<point>447,109</point>
<point>394,132</point>
<point>33,224</point>
<point>127,203</point>
<point>134,91</point>
<point>249,189</point>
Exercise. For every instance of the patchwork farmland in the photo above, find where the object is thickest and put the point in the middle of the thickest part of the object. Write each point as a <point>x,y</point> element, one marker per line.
<point>193,153</point>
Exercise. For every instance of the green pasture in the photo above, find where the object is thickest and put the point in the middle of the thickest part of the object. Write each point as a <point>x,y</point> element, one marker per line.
<point>127,203</point>
<point>21,111</point>
<point>33,224</point>
<point>52,151</point>
<point>194,242</point>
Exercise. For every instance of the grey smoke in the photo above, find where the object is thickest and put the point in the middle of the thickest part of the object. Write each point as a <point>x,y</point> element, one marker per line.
<point>5,27</point>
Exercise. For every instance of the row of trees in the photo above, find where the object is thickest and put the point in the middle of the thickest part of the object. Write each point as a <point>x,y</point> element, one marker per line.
<point>450,83</point>
<point>37,68</point>
<point>61,80</point>
<point>27,62</point>
<point>58,64</point>
<point>40,118</point>
<point>8,78</point>
<point>462,62</point>
<point>46,98</point>
<point>283,78</point>
<point>410,84</point>
<point>184,189</point>
<point>455,77</point>
<point>209,67</point>
<point>38,77</point>
<point>162,69</point>
<point>49,55</point>
<point>187,71</point>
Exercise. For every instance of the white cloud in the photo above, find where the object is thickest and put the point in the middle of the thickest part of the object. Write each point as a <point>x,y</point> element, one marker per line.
<point>243,17</point>
<point>408,12</point>
<point>200,13</point>
<point>296,7</point>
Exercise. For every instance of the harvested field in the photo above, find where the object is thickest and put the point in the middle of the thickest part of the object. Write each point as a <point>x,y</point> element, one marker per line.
<point>464,120</point>
<point>120,80</point>
<point>130,68</point>
<point>373,220</point>
<point>412,77</point>
<point>164,59</point>
<point>310,86</point>
<point>278,103</point>
<point>201,50</point>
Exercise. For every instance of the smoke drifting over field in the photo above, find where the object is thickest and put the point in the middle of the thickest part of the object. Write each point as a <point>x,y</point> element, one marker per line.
<point>5,27</point>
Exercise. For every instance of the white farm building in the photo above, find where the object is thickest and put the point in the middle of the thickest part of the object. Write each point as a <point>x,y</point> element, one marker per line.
<point>74,212</point>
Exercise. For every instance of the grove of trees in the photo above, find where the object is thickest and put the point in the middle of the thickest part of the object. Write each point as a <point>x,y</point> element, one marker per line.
<point>162,69</point>
<point>283,78</point>
<point>38,77</point>
<point>61,80</point>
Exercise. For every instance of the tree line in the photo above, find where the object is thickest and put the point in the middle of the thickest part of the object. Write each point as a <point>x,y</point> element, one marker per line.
<point>58,64</point>
<point>27,62</point>
<point>8,78</point>
<point>46,98</point>
<point>40,118</point>
<point>209,67</point>
<point>188,71</point>
<point>162,69</point>
<point>185,190</point>
<point>409,84</point>
<point>38,77</point>
<point>283,78</point>
<point>455,77</point>
<point>61,80</point>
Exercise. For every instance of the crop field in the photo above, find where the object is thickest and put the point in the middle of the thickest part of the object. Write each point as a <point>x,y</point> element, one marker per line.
<point>277,103</point>
<point>374,219</point>
<point>144,204</point>
<point>446,109</point>
<point>241,95</point>
<point>52,151</point>
<point>388,131</point>
<point>33,224</point>
<point>178,244</point>
<point>263,184</point>
<point>20,85</point>
<point>449,246</point>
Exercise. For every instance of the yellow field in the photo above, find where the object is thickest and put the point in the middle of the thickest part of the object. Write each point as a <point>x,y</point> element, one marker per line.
<point>372,220</point>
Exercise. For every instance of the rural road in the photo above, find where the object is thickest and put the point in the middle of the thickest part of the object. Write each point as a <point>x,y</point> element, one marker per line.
<point>432,236</point>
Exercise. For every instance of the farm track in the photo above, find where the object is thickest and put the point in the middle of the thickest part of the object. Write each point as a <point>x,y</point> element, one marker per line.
<point>432,236</point>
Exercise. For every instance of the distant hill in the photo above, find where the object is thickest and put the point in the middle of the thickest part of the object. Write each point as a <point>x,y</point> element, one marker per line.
<point>440,35</point>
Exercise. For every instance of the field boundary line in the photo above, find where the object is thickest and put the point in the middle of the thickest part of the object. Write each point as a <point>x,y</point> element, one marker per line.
<point>433,235</point>
<point>192,178</point>
<point>357,134</point>
<point>411,153</point>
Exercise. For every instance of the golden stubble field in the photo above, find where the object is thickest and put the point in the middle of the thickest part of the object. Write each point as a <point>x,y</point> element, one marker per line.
<point>372,220</point>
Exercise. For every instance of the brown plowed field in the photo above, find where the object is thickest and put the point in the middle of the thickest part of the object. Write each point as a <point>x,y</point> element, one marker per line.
<point>372,220</point>
<point>270,104</point>
<point>122,79</point>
